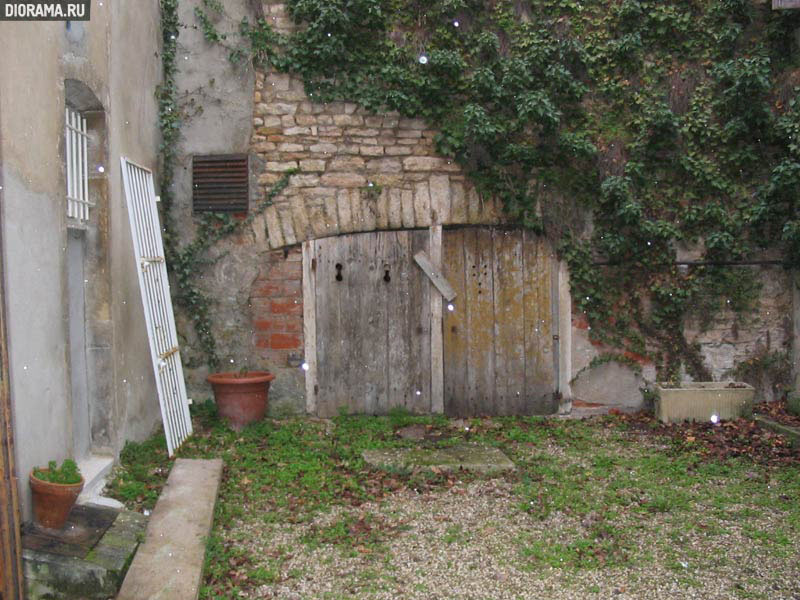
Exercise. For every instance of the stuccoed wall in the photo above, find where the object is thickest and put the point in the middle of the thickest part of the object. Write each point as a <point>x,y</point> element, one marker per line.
<point>36,61</point>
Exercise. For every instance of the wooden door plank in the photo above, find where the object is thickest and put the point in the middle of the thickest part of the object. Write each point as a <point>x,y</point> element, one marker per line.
<point>509,343</point>
<point>372,320</point>
<point>397,315</point>
<point>480,319</point>
<point>326,322</point>
<point>539,375</point>
<point>310,324</point>
<point>455,332</point>
<point>352,359</point>
<point>436,322</point>
<point>419,325</point>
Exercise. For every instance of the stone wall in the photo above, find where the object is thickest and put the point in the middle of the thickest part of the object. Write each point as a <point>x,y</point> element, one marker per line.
<point>729,341</point>
<point>359,171</point>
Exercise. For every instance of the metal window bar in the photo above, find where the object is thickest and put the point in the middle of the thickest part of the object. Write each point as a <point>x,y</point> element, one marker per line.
<point>77,142</point>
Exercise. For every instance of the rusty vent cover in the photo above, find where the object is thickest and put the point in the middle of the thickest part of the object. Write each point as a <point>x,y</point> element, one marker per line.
<point>220,183</point>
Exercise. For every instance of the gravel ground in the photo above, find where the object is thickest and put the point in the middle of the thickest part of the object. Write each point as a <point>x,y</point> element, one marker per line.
<point>468,542</point>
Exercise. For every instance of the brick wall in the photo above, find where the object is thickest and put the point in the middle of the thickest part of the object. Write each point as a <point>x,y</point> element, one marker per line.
<point>276,302</point>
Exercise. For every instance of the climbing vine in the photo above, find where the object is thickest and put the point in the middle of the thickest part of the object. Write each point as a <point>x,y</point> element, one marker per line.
<point>656,125</point>
<point>186,261</point>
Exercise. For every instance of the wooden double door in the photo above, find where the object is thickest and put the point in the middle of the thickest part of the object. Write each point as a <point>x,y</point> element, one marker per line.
<point>379,335</point>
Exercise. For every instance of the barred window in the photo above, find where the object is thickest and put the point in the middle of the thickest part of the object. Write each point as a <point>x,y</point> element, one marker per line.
<point>77,157</point>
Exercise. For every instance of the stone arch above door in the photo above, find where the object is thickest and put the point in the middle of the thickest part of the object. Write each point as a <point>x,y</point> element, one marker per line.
<point>307,213</point>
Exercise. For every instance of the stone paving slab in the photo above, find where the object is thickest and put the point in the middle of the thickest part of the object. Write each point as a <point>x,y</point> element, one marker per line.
<point>169,565</point>
<point>95,574</point>
<point>469,457</point>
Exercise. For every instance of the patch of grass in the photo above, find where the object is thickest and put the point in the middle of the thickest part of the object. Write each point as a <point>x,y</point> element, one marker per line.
<point>609,483</point>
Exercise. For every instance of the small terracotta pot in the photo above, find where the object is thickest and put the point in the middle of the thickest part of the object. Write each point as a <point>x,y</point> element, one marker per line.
<point>241,397</point>
<point>53,501</point>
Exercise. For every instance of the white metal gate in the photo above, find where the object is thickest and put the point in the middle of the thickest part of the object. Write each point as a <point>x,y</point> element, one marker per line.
<point>154,286</point>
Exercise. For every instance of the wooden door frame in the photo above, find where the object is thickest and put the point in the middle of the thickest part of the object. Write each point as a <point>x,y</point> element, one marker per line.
<point>562,324</point>
<point>11,582</point>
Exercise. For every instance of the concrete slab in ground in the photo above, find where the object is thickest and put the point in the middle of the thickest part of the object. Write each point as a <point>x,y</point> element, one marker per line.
<point>169,564</point>
<point>470,457</point>
<point>87,559</point>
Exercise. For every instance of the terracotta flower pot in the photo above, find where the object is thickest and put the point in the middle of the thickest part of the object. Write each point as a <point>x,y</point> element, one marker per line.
<point>53,501</point>
<point>241,397</point>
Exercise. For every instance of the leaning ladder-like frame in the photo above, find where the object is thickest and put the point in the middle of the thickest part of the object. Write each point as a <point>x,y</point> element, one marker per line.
<point>154,285</point>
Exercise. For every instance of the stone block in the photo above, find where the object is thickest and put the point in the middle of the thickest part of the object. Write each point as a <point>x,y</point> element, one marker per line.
<point>348,120</point>
<point>428,163</point>
<point>368,150</point>
<point>440,197</point>
<point>458,203</point>
<point>331,217</point>
<point>395,208</point>
<point>397,150</point>
<point>346,163</point>
<point>287,147</point>
<point>384,165</point>
<point>343,180</point>
<point>407,203</point>
<point>361,132</point>
<point>304,180</point>
<point>294,131</point>
<point>287,227</point>
<point>422,204</point>
<point>273,227</point>
<point>324,148</point>
<point>280,166</point>
<point>276,108</point>
<point>382,210</point>
<point>343,210</point>
<point>312,165</point>
<point>356,210</point>
<point>302,228</point>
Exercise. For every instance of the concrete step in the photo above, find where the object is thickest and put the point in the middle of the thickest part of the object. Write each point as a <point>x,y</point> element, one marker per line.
<point>95,469</point>
<point>169,565</point>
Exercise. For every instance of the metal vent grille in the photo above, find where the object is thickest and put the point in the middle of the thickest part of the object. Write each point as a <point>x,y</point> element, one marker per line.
<point>220,183</point>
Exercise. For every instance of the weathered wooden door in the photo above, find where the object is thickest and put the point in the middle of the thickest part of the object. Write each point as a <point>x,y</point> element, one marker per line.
<point>500,354</point>
<point>371,323</point>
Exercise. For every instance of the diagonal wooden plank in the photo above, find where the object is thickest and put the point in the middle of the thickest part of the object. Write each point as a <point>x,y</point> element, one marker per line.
<point>435,275</point>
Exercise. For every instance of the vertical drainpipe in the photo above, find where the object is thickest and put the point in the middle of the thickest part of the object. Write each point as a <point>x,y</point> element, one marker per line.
<point>10,545</point>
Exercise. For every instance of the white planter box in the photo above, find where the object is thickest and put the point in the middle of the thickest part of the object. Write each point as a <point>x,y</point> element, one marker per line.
<point>698,401</point>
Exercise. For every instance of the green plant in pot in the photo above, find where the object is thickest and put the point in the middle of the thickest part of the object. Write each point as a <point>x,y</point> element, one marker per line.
<point>241,396</point>
<point>55,490</point>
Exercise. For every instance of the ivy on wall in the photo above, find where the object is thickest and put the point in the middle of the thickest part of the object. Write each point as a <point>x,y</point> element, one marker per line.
<point>186,261</point>
<point>659,124</point>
